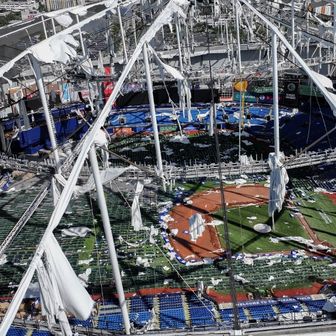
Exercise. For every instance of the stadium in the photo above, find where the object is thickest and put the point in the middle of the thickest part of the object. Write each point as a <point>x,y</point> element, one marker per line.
<point>168,168</point>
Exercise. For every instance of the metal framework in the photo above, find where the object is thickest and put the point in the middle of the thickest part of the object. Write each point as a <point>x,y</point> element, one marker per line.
<point>173,10</point>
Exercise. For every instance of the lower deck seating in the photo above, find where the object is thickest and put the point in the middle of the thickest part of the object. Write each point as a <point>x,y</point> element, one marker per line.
<point>286,308</point>
<point>202,316</point>
<point>315,305</point>
<point>172,318</point>
<point>83,323</point>
<point>227,315</point>
<point>16,332</point>
<point>262,312</point>
<point>111,322</point>
<point>171,312</point>
<point>41,333</point>
<point>140,319</point>
<point>201,311</point>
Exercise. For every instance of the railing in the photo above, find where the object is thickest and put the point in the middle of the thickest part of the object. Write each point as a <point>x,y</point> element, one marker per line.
<point>171,171</point>
<point>25,217</point>
<point>38,166</point>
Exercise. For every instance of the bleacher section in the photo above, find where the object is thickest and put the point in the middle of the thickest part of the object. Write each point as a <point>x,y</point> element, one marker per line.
<point>201,311</point>
<point>141,310</point>
<point>82,323</point>
<point>111,322</point>
<point>16,332</point>
<point>186,310</point>
<point>171,312</point>
<point>262,312</point>
<point>287,308</point>
<point>314,306</point>
<point>41,333</point>
<point>227,315</point>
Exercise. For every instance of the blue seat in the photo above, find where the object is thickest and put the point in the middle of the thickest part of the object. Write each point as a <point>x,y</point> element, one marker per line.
<point>16,332</point>
<point>111,322</point>
<point>172,318</point>
<point>41,333</point>
<point>200,311</point>
<point>314,305</point>
<point>227,314</point>
<point>141,303</point>
<point>140,319</point>
<point>262,312</point>
<point>83,323</point>
<point>292,307</point>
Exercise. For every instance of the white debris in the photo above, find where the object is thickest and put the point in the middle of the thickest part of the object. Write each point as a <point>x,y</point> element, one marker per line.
<point>301,240</point>
<point>80,231</point>
<point>215,222</point>
<point>240,181</point>
<point>167,246</point>
<point>84,277</point>
<point>202,145</point>
<point>215,282</point>
<point>3,259</point>
<point>171,255</point>
<point>139,149</point>
<point>240,279</point>
<point>85,262</point>
<point>153,232</point>
<point>248,261</point>
<point>142,262</point>
<point>178,138</point>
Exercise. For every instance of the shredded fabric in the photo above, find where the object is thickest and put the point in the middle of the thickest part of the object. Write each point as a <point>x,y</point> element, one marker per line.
<point>278,181</point>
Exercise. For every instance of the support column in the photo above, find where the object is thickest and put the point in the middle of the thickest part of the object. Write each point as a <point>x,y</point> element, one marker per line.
<point>211,119</point>
<point>122,35</point>
<point>49,121</point>
<point>44,27</point>
<point>334,27</point>
<point>81,36</point>
<point>275,94</point>
<point>293,24</point>
<point>24,114</point>
<point>109,238</point>
<point>320,56</point>
<point>187,46</point>
<point>293,27</point>
<point>152,110</point>
<point>228,44</point>
<point>241,113</point>
<point>3,139</point>
<point>238,37</point>
<point>177,25</point>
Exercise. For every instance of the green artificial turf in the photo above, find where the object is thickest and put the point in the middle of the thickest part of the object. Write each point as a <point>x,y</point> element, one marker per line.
<point>244,239</point>
<point>321,216</point>
<point>199,186</point>
<point>86,252</point>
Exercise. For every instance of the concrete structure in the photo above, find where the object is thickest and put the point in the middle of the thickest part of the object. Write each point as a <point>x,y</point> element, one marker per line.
<point>52,5</point>
<point>17,6</point>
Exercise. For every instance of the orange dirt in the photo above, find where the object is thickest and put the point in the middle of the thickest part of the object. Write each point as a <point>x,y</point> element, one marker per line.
<point>309,230</point>
<point>332,197</point>
<point>290,292</point>
<point>208,245</point>
<point>225,298</point>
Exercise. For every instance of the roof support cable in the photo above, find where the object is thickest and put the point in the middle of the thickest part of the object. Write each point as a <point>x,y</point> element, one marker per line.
<point>236,323</point>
